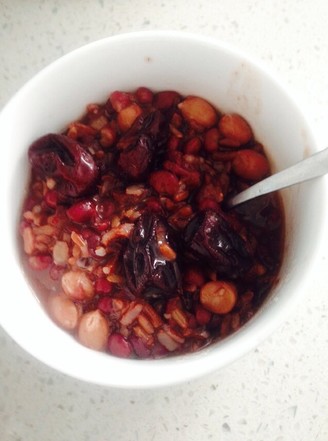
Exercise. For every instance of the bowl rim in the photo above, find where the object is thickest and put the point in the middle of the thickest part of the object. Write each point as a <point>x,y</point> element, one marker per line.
<point>177,369</point>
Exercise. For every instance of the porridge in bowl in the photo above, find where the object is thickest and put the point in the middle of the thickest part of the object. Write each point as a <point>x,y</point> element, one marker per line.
<point>125,235</point>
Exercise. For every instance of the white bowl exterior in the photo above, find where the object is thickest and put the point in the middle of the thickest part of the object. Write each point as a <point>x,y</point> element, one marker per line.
<point>159,60</point>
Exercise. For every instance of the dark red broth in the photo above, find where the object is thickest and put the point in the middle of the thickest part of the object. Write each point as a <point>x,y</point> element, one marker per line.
<point>124,230</point>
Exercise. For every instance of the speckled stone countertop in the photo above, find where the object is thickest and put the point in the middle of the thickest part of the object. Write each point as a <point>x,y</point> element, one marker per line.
<point>279,391</point>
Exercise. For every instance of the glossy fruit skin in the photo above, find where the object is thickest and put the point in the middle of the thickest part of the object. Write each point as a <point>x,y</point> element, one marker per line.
<point>135,161</point>
<point>82,211</point>
<point>209,236</point>
<point>138,145</point>
<point>144,265</point>
<point>65,160</point>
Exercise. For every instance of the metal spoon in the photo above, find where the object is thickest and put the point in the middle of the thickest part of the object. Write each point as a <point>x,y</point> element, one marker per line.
<point>312,167</point>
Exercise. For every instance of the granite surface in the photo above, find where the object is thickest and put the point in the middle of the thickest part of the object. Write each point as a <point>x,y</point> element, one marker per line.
<point>279,391</point>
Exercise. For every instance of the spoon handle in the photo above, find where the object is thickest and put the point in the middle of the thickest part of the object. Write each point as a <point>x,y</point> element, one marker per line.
<point>312,167</point>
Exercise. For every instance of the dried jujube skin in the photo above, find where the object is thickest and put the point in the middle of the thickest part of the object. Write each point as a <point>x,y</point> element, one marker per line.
<point>66,161</point>
<point>146,266</point>
<point>211,237</point>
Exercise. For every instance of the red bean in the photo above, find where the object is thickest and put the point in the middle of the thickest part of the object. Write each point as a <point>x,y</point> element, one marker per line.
<point>105,304</point>
<point>193,146</point>
<point>81,212</point>
<point>154,205</point>
<point>139,347</point>
<point>120,100</point>
<point>211,140</point>
<point>51,198</point>
<point>119,346</point>
<point>166,99</point>
<point>203,316</point>
<point>144,95</point>
<point>173,143</point>
<point>208,204</point>
<point>194,276</point>
<point>103,286</point>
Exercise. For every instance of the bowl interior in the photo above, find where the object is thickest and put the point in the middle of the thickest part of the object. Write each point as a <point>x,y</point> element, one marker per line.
<point>159,60</point>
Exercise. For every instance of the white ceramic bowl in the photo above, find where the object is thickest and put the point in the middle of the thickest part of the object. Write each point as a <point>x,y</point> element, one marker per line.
<point>160,60</point>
